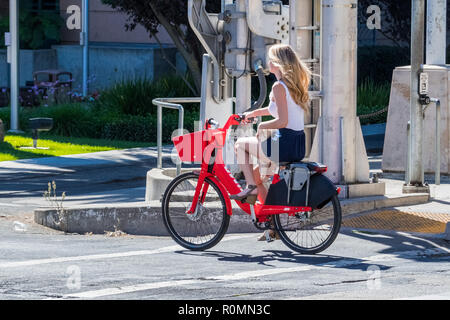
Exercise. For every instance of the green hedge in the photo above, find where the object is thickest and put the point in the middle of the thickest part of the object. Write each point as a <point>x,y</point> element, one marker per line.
<point>134,97</point>
<point>77,120</point>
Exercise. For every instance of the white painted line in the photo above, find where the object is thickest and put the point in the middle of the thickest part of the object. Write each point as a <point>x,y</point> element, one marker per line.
<point>253,274</point>
<point>2,204</point>
<point>130,289</point>
<point>36,262</point>
<point>440,296</point>
<point>86,258</point>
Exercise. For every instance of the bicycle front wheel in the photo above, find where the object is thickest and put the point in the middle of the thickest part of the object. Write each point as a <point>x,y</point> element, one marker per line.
<point>207,226</point>
<point>310,232</point>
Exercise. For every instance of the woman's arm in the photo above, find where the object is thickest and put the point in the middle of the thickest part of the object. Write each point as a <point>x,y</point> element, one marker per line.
<point>258,113</point>
<point>280,98</point>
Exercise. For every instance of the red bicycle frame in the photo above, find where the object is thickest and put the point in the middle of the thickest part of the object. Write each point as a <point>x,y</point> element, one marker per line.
<point>214,169</point>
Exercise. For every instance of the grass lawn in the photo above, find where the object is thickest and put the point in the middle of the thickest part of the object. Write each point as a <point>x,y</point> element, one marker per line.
<point>59,146</point>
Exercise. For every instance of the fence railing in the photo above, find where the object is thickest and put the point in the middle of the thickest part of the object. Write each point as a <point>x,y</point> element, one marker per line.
<point>170,103</point>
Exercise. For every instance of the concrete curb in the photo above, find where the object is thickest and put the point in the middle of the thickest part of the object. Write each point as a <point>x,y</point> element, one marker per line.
<point>145,218</point>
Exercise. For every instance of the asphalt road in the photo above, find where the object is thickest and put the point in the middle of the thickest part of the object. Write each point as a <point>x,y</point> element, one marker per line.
<point>38,263</point>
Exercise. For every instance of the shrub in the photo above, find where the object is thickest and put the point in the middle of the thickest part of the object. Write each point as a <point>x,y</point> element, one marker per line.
<point>78,120</point>
<point>134,97</point>
<point>371,98</point>
<point>144,129</point>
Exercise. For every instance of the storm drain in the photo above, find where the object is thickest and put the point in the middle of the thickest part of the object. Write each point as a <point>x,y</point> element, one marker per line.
<point>421,222</point>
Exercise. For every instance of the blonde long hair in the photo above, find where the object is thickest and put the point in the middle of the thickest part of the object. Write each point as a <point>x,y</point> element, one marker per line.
<point>295,74</point>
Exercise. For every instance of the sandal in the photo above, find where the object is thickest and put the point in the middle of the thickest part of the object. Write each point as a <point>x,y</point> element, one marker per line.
<point>247,193</point>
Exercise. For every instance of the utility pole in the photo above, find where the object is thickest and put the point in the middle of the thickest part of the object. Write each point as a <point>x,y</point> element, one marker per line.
<point>436,31</point>
<point>244,82</point>
<point>415,161</point>
<point>14,60</point>
<point>84,41</point>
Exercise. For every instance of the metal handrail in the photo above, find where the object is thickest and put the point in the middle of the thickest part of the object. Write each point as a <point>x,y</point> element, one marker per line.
<point>437,172</point>
<point>437,102</point>
<point>170,103</point>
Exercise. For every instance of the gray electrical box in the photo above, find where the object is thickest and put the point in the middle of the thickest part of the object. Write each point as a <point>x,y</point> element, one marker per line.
<point>257,46</point>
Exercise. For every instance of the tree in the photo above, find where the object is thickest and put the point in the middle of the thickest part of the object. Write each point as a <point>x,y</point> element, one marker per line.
<point>395,18</point>
<point>172,16</point>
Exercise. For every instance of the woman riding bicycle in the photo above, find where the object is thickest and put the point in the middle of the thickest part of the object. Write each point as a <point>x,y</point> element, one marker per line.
<point>281,139</point>
<point>196,206</point>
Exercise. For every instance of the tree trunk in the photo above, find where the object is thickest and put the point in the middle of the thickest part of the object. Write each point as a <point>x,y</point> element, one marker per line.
<point>183,47</point>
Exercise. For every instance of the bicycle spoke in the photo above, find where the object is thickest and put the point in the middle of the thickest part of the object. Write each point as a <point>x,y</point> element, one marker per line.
<point>209,221</point>
<point>309,232</point>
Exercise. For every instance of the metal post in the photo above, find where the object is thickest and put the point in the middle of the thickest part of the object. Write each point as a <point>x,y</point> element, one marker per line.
<point>408,154</point>
<point>339,46</point>
<point>436,31</point>
<point>14,51</point>
<point>243,84</point>
<point>159,135</point>
<point>170,103</point>
<point>84,41</point>
<point>416,112</point>
<point>438,141</point>
<point>342,136</point>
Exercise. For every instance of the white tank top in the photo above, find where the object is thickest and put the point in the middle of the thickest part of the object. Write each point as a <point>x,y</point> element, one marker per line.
<point>296,114</point>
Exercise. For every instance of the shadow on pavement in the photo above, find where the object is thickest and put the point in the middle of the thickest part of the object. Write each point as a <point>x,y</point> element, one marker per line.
<point>326,261</point>
<point>404,245</point>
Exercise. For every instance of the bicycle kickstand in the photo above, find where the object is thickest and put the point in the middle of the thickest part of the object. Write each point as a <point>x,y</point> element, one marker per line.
<point>268,237</point>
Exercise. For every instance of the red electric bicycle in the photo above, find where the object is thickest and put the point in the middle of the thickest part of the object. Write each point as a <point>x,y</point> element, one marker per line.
<point>196,206</point>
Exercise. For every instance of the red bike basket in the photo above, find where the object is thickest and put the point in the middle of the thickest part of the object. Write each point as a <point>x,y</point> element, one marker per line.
<point>191,146</point>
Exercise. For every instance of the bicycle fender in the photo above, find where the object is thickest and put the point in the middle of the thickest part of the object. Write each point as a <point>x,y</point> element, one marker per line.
<point>222,189</point>
<point>224,192</point>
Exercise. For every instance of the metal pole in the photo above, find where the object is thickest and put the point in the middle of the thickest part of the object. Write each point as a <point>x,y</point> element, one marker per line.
<point>416,112</point>
<point>339,50</point>
<point>438,141</point>
<point>243,84</point>
<point>342,135</point>
<point>170,103</point>
<point>15,51</point>
<point>180,132</point>
<point>436,31</point>
<point>159,135</point>
<point>408,154</point>
<point>85,43</point>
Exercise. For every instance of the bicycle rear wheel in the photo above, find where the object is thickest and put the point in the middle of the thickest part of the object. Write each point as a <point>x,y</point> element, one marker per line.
<point>205,228</point>
<point>310,232</point>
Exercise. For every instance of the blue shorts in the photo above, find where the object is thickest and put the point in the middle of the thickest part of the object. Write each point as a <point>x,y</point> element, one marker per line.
<point>288,147</point>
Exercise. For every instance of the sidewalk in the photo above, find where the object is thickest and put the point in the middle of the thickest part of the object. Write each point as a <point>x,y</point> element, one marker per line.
<point>430,218</point>
<point>15,170</point>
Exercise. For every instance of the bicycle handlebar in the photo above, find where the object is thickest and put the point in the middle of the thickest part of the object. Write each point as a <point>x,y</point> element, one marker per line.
<point>233,120</point>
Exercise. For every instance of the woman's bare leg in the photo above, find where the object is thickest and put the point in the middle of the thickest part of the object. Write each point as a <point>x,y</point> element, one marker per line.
<point>262,190</point>
<point>245,149</point>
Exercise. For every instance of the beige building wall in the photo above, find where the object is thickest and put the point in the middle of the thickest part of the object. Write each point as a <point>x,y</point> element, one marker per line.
<point>106,25</point>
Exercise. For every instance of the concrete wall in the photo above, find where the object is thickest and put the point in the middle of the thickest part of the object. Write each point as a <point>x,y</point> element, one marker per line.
<point>108,63</point>
<point>395,145</point>
<point>3,69</point>
<point>30,61</point>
